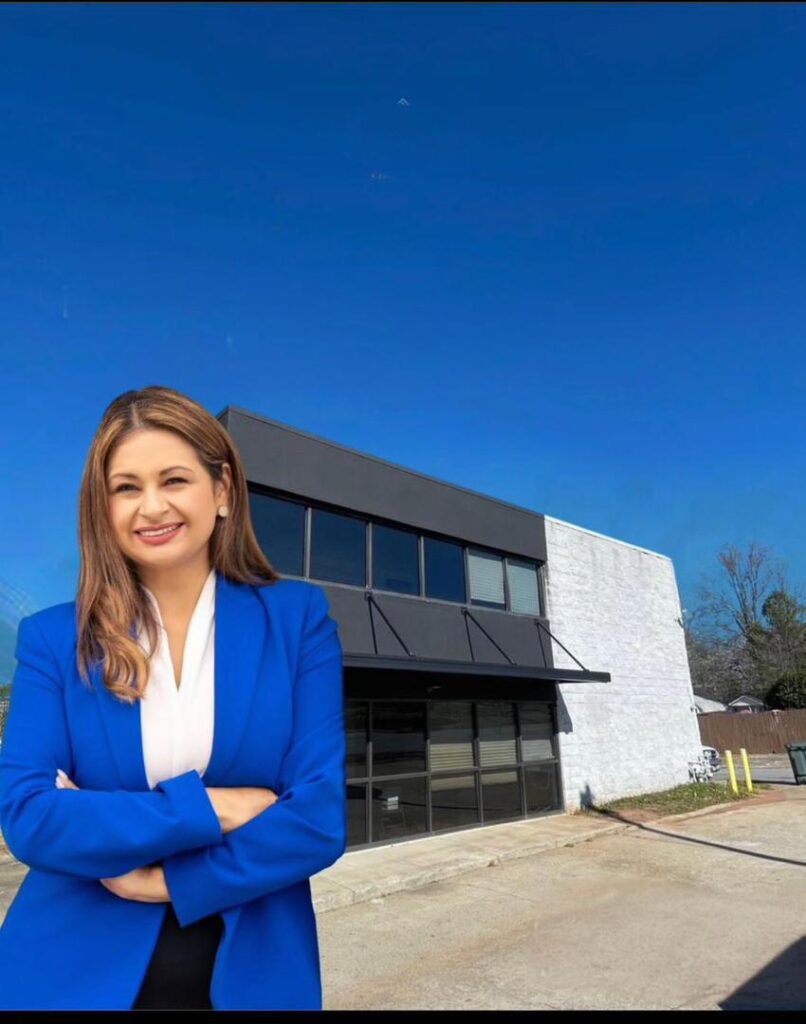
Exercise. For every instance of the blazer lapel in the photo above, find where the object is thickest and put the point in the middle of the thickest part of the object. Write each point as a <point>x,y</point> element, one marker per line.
<point>241,624</point>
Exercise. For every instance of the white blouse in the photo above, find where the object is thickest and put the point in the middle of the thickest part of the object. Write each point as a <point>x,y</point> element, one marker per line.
<point>177,723</point>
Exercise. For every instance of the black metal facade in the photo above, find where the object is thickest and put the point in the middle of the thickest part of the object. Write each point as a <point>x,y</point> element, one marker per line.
<point>408,655</point>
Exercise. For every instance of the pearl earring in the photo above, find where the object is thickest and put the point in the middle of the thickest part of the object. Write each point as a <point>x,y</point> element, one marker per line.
<point>223,511</point>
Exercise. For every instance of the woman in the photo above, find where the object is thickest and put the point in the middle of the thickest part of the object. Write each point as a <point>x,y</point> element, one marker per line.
<point>172,766</point>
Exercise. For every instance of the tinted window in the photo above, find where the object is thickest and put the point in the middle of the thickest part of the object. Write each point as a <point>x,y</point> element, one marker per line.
<point>338,548</point>
<point>356,725</point>
<point>395,560</point>
<point>444,570</point>
<point>398,737</point>
<point>280,530</point>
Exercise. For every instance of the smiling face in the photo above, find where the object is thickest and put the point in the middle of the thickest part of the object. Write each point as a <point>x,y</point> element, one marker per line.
<point>155,479</point>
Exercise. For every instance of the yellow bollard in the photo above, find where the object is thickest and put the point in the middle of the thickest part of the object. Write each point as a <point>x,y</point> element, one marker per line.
<point>731,772</point>
<point>747,779</point>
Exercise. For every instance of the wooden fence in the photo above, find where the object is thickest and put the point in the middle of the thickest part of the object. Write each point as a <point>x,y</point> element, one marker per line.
<point>761,732</point>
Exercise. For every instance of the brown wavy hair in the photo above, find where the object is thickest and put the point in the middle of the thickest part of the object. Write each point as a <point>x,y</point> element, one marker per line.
<point>110,596</point>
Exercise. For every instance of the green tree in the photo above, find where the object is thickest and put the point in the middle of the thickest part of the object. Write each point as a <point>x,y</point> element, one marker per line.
<point>789,691</point>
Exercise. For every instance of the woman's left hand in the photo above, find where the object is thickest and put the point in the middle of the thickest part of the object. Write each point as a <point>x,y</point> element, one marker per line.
<point>146,885</point>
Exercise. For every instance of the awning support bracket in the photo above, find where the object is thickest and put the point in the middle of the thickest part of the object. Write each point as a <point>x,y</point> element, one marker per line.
<point>368,596</point>
<point>466,612</point>
<point>540,626</point>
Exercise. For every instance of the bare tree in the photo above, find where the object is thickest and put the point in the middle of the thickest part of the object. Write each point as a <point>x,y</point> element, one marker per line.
<point>720,669</point>
<point>732,604</point>
<point>746,629</point>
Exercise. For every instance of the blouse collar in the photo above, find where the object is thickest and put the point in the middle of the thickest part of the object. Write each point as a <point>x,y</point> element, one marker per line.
<point>204,606</point>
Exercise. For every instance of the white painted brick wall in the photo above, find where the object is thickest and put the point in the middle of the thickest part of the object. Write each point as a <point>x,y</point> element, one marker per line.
<point>615,607</point>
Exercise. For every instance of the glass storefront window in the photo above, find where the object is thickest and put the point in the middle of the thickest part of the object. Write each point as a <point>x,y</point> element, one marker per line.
<point>398,808</point>
<point>500,795</point>
<point>541,788</point>
<point>454,802</point>
<point>537,731</point>
<point>356,814</point>
<point>393,798</point>
<point>451,735</point>
<point>497,734</point>
<point>356,724</point>
<point>398,737</point>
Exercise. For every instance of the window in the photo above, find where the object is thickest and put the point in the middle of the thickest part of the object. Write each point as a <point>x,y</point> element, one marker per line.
<point>451,735</point>
<point>279,526</point>
<point>395,560</point>
<point>338,548</point>
<point>486,579</point>
<point>338,554</point>
<point>417,766</point>
<point>537,732</point>
<point>398,737</point>
<point>523,592</point>
<point>444,570</point>
<point>497,733</point>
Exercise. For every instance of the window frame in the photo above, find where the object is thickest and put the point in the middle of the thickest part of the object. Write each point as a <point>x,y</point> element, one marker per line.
<point>259,490</point>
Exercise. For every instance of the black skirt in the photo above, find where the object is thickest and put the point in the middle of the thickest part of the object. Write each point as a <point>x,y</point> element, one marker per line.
<point>181,968</point>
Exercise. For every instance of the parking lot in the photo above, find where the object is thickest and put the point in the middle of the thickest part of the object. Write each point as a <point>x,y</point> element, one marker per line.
<point>701,913</point>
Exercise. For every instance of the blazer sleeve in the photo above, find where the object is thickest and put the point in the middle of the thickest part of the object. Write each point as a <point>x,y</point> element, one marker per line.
<point>305,830</point>
<point>91,834</point>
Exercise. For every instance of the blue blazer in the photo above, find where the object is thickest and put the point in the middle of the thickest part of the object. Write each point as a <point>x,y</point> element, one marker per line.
<point>67,942</point>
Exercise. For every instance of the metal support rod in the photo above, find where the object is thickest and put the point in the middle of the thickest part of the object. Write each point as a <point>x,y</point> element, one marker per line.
<point>466,611</point>
<point>369,597</point>
<point>554,638</point>
<point>542,646</point>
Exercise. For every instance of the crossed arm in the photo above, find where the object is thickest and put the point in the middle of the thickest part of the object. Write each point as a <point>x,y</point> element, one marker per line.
<point>99,834</point>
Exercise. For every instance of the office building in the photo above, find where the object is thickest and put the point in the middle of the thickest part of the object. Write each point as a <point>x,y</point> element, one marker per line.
<point>499,664</point>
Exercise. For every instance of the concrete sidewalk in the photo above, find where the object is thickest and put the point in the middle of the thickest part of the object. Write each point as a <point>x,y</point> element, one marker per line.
<point>363,875</point>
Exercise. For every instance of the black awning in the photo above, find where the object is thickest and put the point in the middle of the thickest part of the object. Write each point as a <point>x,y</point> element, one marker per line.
<point>473,668</point>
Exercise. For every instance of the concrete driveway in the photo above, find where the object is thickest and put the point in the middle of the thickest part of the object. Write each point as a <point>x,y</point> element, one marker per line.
<point>706,912</point>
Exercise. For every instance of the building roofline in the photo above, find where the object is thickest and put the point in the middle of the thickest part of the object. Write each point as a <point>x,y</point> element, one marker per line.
<point>378,459</point>
<point>427,476</point>
<point>604,536</point>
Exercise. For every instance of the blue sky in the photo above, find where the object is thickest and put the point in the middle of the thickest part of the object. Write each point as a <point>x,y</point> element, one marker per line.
<point>568,274</point>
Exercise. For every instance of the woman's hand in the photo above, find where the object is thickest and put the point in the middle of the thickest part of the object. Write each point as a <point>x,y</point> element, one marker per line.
<point>62,781</point>
<point>236,805</point>
<point>145,885</point>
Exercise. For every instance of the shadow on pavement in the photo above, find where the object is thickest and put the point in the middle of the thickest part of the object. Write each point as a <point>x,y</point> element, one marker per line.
<point>781,985</point>
<point>626,819</point>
